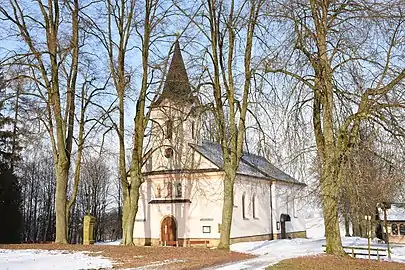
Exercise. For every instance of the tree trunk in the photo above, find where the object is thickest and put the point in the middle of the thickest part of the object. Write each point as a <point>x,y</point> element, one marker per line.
<point>347,224</point>
<point>355,224</point>
<point>373,225</point>
<point>329,191</point>
<point>227,209</point>
<point>131,209</point>
<point>363,227</point>
<point>60,205</point>
<point>126,207</point>
<point>35,225</point>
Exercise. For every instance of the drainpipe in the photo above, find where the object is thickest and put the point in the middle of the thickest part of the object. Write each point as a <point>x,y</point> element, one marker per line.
<point>271,211</point>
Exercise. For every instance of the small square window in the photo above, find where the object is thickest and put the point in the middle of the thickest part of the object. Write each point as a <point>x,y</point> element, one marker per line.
<point>206,229</point>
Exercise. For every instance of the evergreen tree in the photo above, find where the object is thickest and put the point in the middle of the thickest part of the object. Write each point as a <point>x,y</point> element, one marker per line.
<point>10,194</point>
<point>10,202</point>
<point>6,124</point>
<point>6,138</point>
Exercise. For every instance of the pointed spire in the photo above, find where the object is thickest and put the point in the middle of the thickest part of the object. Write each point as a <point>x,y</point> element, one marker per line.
<point>177,85</point>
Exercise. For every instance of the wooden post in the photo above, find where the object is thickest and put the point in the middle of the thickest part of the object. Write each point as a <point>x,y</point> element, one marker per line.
<point>354,256</point>
<point>368,224</point>
<point>378,255</point>
<point>387,237</point>
<point>368,241</point>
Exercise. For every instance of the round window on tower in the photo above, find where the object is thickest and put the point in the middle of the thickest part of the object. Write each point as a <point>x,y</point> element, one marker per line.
<point>169,152</point>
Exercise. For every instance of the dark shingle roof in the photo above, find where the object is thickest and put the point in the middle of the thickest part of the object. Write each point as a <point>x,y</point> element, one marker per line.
<point>177,85</point>
<point>251,165</point>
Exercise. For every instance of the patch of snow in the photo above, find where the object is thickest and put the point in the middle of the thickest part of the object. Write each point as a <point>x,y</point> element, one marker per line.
<point>111,243</point>
<point>315,227</point>
<point>35,259</point>
<point>271,252</point>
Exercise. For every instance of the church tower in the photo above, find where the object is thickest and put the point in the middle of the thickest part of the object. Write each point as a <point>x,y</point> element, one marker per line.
<point>174,121</point>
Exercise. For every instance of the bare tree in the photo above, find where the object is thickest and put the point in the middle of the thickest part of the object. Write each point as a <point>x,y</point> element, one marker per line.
<point>44,61</point>
<point>231,102</point>
<point>51,38</point>
<point>329,42</point>
<point>124,24</point>
<point>38,193</point>
<point>370,177</point>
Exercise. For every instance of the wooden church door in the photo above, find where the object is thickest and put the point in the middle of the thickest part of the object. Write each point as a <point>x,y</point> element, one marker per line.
<point>168,231</point>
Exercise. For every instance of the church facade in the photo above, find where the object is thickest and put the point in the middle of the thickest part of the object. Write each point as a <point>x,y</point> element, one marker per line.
<point>181,198</point>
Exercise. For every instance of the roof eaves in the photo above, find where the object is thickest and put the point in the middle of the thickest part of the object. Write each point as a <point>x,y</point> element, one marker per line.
<point>190,171</point>
<point>265,173</point>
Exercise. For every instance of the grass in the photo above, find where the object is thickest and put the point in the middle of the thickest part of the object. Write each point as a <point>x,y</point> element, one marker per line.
<point>329,262</point>
<point>138,256</point>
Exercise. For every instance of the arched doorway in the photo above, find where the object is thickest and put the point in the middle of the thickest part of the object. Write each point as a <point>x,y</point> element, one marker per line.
<point>283,219</point>
<point>168,231</point>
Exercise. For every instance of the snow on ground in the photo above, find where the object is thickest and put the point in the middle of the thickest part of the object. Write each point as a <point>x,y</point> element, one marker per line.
<point>315,227</point>
<point>109,243</point>
<point>271,252</point>
<point>34,259</point>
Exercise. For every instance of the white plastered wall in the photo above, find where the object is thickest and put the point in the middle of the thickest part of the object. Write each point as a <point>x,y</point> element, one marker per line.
<point>287,200</point>
<point>257,225</point>
<point>204,210</point>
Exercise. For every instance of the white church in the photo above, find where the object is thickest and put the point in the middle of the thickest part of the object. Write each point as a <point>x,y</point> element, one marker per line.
<point>181,198</point>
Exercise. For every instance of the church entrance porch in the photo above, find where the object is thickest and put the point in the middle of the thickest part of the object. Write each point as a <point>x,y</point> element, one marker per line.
<point>283,219</point>
<point>168,231</point>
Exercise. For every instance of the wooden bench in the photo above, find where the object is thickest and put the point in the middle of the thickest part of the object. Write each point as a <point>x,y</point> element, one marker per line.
<point>169,243</point>
<point>188,243</point>
<point>198,242</point>
<point>363,251</point>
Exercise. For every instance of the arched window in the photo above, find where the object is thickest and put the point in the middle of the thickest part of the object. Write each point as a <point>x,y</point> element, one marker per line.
<point>169,189</point>
<point>254,206</point>
<point>394,229</point>
<point>402,229</point>
<point>243,206</point>
<point>169,129</point>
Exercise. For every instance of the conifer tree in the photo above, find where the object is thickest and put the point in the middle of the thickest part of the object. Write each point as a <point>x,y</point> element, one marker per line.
<point>10,195</point>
